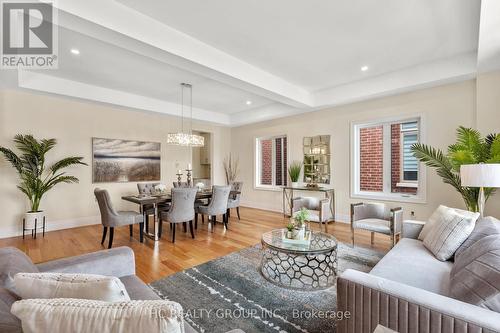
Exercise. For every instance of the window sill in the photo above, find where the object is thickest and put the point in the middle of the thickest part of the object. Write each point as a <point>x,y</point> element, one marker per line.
<point>407,184</point>
<point>390,197</point>
<point>268,188</point>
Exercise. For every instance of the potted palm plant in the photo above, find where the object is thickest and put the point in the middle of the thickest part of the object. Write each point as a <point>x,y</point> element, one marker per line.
<point>294,172</point>
<point>470,148</point>
<point>35,178</point>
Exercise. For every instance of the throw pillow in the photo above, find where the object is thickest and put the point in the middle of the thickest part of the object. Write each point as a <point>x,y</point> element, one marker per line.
<point>63,285</point>
<point>13,261</point>
<point>484,227</point>
<point>438,215</point>
<point>449,233</point>
<point>62,315</point>
<point>475,277</point>
<point>433,220</point>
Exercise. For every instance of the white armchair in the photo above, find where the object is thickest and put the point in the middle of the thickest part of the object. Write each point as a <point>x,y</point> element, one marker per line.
<point>376,218</point>
<point>319,209</point>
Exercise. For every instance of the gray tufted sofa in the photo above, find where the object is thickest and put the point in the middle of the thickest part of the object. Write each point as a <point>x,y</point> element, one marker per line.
<point>407,291</point>
<point>117,262</point>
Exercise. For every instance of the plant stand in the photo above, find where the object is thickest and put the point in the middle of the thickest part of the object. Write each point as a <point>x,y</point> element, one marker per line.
<point>33,230</point>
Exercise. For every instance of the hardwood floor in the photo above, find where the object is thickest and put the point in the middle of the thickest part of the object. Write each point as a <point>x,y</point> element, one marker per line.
<point>154,261</point>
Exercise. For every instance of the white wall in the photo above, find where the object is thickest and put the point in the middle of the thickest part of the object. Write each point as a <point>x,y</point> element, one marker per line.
<point>444,108</point>
<point>73,123</point>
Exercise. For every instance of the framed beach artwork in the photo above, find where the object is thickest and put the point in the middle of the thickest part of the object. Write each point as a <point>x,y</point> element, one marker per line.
<point>115,160</point>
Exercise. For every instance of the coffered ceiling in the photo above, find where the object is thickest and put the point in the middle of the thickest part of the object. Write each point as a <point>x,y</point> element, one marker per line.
<point>251,61</point>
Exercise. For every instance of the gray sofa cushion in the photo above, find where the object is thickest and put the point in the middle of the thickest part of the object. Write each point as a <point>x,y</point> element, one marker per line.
<point>138,290</point>
<point>13,261</point>
<point>484,227</point>
<point>8,322</point>
<point>421,268</point>
<point>475,277</point>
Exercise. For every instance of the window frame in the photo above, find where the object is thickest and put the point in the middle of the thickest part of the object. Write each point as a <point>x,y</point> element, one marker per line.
<point>257,163</point>
<point>402,181</point>
<point>386,194</point>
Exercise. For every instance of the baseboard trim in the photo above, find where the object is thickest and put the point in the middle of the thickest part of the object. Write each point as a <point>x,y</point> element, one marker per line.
<point>343,218</point>
<point>14,231</point>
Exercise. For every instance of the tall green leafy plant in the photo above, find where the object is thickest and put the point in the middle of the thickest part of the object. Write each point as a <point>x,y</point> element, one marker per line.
<point>470,148</point>
<point>294,171</point>
<point>35,178</point>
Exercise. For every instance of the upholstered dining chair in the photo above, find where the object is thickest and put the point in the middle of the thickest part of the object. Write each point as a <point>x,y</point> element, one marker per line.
<point>149,189</point>
<point>319,209</point>
<point>234,199</point>
<point>110,218</point>
<point>376,218</point>
<point>217,206</point>
<point>181,210</point>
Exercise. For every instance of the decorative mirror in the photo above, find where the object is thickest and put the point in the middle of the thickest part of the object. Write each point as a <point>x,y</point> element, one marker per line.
<point>317,159</point>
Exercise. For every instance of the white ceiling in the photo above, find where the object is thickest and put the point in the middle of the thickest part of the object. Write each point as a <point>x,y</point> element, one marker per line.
<point>318,44</point>
<point>286,56</point>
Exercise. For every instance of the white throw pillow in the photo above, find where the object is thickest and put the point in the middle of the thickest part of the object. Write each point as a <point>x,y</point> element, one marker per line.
<point>62,285</point>
<point>63,315</point>
<point>438,216</point>
<point>449,233</point>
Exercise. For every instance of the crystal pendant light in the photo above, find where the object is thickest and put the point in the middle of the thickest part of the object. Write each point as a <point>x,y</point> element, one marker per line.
<point>183,138</point>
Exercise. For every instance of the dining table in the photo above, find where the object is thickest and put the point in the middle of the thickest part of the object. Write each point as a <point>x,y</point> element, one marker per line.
<point>154,200</point>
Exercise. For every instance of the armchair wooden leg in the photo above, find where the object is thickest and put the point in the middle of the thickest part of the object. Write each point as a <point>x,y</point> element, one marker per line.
<point>111,233</point>
<point>352,237</point>
<point>373,238</point>
<point>184,226</point>
<point>141,231</point>
<point>393,240</point>
<point>104,232</point>
<point>224,219</point>
<point>196,220</point>
<point>191,228</point>
<point>238,212</point>
<point>228,212</point>
<point>173,231</point>
<point>160,228</point>
<point>131,229</point>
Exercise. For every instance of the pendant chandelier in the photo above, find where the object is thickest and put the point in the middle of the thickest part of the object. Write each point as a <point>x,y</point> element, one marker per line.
<point>186,138</point>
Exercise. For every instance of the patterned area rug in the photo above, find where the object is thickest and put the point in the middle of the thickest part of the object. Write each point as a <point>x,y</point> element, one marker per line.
<point>230,292</point>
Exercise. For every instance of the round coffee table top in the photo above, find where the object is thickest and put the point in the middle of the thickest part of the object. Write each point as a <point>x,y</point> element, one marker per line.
<point>320,243</point>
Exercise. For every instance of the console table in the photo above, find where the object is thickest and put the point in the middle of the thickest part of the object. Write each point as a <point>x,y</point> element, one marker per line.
<point>288,198</point>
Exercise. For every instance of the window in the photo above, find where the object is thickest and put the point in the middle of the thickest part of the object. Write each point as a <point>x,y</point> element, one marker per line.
<point>271,158</point>
<point>383,165</point>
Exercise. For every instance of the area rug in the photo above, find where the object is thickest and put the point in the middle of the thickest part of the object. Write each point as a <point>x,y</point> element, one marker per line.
<point>229,292</point>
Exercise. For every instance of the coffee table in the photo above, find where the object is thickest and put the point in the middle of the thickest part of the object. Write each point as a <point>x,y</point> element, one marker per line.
<point>303,267</point>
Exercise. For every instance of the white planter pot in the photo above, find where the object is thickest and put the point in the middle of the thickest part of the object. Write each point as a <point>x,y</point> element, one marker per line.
<point>295,184</point>
<point>30,217</point>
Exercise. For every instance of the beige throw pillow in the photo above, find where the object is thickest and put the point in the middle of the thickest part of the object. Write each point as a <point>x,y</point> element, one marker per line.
<point>63,315</point>
<point>449,233</point>
<point>63,285</point>
<point>438,216</point>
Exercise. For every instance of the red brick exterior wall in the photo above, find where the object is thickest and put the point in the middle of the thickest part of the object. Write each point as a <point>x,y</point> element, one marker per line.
<point>396,162</point>
<point>371,159</point>
<point>266,172</point>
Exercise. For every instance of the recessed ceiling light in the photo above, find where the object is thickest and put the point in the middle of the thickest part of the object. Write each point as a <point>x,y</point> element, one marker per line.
<point>364,68</point>
<point>75,51</point>
<point>249,102</point>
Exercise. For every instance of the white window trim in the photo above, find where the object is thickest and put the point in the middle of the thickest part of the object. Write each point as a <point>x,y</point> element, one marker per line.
<point>403,182</point>
<point>256,173</point>
<point>421,196</point>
